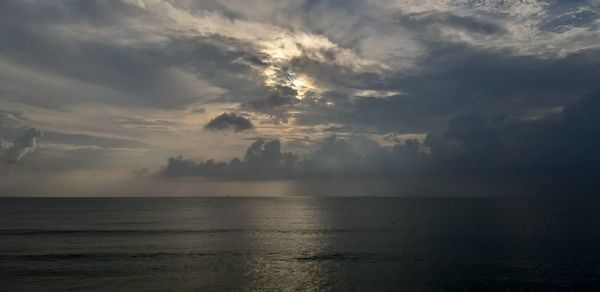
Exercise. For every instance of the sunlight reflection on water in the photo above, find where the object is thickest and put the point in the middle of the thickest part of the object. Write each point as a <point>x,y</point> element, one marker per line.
<point>297,243</point>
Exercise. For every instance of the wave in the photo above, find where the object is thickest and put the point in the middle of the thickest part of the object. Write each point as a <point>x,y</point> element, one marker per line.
<point>351,257</point>
<point>110,231</point>
<point>108,256</point>
<point>7,232</point>
<point>97,256</point>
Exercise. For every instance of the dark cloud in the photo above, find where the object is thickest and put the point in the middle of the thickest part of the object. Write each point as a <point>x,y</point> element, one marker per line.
<point>468,141</point>
<point>556,154</point>
<point>263,160</point>
<point>229,122</point>
<point>332,157</point>
<point>553,154</point>
<point>278,96</point>
<point>454,79</point>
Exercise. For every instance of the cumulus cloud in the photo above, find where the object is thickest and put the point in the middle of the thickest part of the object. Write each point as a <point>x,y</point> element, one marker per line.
<point>332,157</point>
<point>263,160</point>
<point>229,122</point>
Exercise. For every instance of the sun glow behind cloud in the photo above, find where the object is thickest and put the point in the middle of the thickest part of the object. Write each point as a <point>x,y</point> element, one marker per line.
<point>155,72</point>
<point>304,85</point>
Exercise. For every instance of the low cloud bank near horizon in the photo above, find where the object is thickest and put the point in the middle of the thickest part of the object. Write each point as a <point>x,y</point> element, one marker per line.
<point>554,154</point>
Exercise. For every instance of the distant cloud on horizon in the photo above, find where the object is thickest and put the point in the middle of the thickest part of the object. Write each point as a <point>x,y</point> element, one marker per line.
<point>540,156</point>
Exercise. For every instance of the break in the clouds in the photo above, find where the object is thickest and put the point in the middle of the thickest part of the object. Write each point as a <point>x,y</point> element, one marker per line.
<point>468,94</point>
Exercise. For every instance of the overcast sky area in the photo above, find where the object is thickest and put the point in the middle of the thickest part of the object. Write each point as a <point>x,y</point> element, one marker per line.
<point>299,97</point>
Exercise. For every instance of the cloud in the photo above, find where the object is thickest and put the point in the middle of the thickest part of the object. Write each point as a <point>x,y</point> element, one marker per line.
<point>145,123</point>
<point>455,79</point>
<point>438,23</point>
<point>492,85</point>
<point>78,139</point>
<point>468,141</point>
<point>22,146</point>
<point>263,160</point>
<point>146,54</point>
<point>229,122</point>
<point>280,95</point>
<point>557,154</point>
<point>121,49</point>
<point>198,110</point>
<point>58,151</point>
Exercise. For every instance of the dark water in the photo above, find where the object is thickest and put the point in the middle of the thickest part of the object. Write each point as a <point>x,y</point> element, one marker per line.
<point>338,244</point>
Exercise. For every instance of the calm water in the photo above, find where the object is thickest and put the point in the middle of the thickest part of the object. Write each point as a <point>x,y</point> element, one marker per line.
<point>339,244</point>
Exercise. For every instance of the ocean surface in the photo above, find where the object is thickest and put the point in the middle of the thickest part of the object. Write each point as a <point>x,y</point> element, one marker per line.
<point>299,243</point>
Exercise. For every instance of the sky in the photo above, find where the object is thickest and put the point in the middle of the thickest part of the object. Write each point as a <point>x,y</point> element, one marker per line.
<point>302,97</point>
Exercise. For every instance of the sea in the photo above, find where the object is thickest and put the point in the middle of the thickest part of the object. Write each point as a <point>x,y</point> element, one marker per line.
<point>299,244</point>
